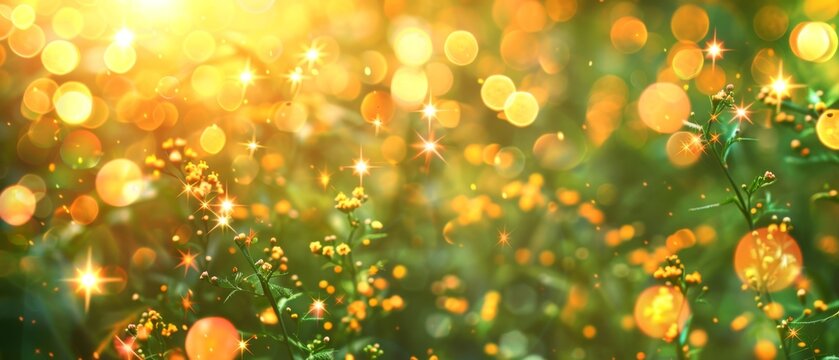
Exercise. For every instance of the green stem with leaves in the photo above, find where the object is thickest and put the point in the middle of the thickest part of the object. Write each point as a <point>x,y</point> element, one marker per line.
<point>354,225</point>
<point>743,197</point>
<point>266,291</point>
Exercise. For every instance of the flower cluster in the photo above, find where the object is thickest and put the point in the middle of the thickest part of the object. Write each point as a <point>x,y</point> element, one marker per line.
<point>348,204</point>
<point>772,97</point>
<point>723,97</point>
<point>673,272</point>
<point>373,351</point>
<point>201,182</point>
<point>176,152</point>
<point>150,324</point>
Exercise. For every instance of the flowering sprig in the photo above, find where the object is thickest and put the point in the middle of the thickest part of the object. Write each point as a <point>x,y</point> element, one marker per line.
<point>148,333</point>
<point>369,230</point>
<point>259,284</point>
<point>363,285</point>
<point>673,274</point>
<point>719,137</point>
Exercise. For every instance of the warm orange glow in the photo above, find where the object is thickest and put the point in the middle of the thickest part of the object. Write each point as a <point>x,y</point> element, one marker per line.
<point>768,259</point>
<point>187,261</point>
<point>124,37</point>
<point>429,147</point>
<point>661,311</point>
<point>88,280</point>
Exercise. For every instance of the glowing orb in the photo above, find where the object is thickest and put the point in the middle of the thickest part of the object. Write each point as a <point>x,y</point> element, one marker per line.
<point>628,34</point>
<point>661,311</point>
<point>688,62</point>
<point>73,102</point>
<point>17,205</point>
<point>377,106</point>
<point>60,57</point>
<point>119,182</point>
<point>120,58</point>
<point>495,91</point>
<point>412,46</point>
<point>461,48</point>
<point>27,43</point>
<point>683,148</point>
<point>213,139</point>
<point>212,338</point>
<point>689,23</point>
<point>81,149</point>
<point>290,116</point>
<point>67,22</point>
<point>768,259</point>
<point>509,162</point>
<point>521,108</point>
<point>814,41</point>
<point>23,16</point>
<point>409,85</point>
<point>663,107</point>
<point>828,129</point>
<point>84,209</point>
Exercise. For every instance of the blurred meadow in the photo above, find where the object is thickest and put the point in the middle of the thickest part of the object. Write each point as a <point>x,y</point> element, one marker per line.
<point>353,179</point>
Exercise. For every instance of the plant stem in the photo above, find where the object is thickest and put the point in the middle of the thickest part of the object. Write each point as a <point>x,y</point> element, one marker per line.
<point>741,202</point>
<point>353,274</point>
<point>742,205</point>
<point>266,291</point>
<point>791,106</point>
<point>780,330</point>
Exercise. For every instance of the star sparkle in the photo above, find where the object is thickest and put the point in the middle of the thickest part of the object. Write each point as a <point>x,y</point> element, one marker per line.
<point>89,279</point>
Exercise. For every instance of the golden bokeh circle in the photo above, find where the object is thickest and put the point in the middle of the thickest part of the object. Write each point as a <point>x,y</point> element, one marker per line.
<point>814,41</point>
<point>690,23</point>
<point>628,34</point>
<point>770,22</point>
<point>120,58</point>
<point>213,139</point>
<point>768,259</point>
<point>73,102</point>
<point>27,43</point>
<point>683,148</point>
<point>827,128</point>
<point>377,106</point>
<point>84,209</point>
<point>495,91</point>
<point>461,47</point>
<point>664,107</point>
<point>661,311</point>
<point>60,57</point>
<point>17,205</point>
<point>413,46</point>
<point>119,182</point>
<point>521,108</point>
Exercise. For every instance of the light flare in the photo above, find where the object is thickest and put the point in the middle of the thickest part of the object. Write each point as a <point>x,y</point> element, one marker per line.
<point>88,280</point>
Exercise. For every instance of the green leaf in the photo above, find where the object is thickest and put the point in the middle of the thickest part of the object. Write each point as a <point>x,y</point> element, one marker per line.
<point>683,338</point>
<point>375,236</point>
<point>285,300</point>
<point>711,206</point>
<point>279,291</point>
<point>325,354</point>
<point>230,295</point>
<point>826,195</point>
